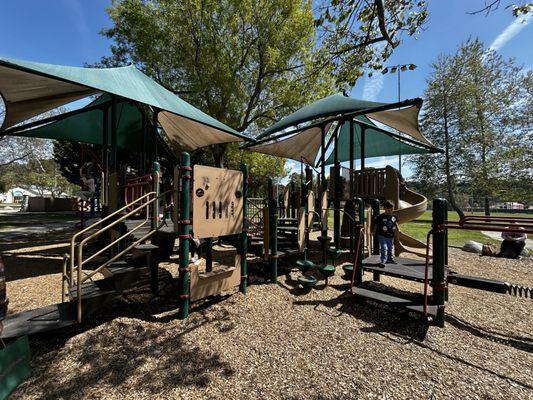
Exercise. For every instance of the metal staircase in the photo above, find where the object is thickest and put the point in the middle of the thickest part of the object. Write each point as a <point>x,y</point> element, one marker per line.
<point>91,279</point>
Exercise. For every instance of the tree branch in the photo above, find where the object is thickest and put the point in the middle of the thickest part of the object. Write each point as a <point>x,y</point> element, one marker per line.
<point>15,160</point>
<point>381,21</point>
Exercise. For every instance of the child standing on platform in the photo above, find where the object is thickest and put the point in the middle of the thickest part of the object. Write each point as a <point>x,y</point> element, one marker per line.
<point>386,226</point>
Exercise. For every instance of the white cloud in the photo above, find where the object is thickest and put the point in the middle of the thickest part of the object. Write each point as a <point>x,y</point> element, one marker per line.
<point>381,162</point>
<point>77,16</point>
<point>373,86</point>
<point>292,166</point>
<point>510,32</point>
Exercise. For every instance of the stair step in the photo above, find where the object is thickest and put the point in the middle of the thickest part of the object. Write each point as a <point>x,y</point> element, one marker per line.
<point>146,247</point>
<point>288,228</point>
<point>394,301</point>
<point>92,289</point>
<point>405,268</point>
<point>95,295</point>
<point>55,316</point>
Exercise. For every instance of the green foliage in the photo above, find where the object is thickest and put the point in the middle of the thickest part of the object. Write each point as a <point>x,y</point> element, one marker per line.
<point>42,175</point>
<point>246,63</point>
<point>261,167</point>
<point>361,34</point>
<point>242,62</point>
<point>478,109</point>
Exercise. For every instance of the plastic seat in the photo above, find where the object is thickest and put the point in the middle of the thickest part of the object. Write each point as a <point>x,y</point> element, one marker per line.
<point>307,281</point>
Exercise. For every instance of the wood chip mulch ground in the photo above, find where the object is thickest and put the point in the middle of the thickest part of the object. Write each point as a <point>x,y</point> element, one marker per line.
<point>280,342</point>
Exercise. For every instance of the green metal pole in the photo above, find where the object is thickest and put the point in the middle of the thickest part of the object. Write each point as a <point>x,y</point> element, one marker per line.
<point>113,161</point>
<point>440,215</point>
<point>336,192</point>
<point>154,276</point>
<point>352,185</point>
<point>360,209</point>
<point>105,159</point>
<point>184,235</point>
<point>305,196</point>
<point>375,241</point>
<point>324,188</point>
<point>143,150</point>
<point>302,183</point>
<point>308,179</point>
<point>155,132</point>
<point>273,224</point>
<point>244,233</point>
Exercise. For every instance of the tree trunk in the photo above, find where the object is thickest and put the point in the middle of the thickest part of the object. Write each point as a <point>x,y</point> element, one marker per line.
<point>487,206</point>
<point>218,155</point>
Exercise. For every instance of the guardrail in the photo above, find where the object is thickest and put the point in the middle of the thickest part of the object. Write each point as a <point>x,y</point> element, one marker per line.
<point>75,275</point>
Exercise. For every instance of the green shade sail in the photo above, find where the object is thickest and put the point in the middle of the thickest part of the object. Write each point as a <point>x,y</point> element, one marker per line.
<point>336,104</point>
<point>402,117</point>
<point>377,143</point>
<point>29,89</point>
<point>87,127</point>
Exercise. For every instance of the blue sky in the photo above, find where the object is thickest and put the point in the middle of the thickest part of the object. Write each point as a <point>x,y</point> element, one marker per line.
<point>67,32</point>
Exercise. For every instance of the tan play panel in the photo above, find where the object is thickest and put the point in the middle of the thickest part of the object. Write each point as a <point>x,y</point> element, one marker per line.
<point>217,202</point>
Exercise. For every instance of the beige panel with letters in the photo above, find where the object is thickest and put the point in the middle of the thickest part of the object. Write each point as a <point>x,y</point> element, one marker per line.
<point>217,202</point>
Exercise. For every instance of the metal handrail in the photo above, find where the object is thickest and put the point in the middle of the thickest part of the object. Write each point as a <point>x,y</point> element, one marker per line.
<point>93,226</point>
<point>79,268</point>
<point>66,277</point>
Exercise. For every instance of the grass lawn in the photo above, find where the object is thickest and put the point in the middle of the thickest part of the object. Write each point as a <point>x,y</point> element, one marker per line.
<point>419,228</point>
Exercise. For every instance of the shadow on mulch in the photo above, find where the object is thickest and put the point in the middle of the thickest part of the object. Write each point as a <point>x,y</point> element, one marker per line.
<point>410,331</point>
<point>155,360</point>
<point>382,320</point>
<point>517,342</point>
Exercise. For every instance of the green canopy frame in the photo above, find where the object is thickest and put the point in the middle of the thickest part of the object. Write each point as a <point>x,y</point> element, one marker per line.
<point>353,124</point>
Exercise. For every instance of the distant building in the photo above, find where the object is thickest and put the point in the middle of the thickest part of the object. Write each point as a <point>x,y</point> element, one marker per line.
<point>16,194</point>
<point>510,205</point>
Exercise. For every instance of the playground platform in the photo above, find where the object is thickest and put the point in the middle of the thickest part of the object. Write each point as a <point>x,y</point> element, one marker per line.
<point>405,268</point>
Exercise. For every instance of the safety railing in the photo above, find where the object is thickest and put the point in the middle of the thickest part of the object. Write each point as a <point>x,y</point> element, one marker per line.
<point>367,183</point>
<point>255,216</point>
<point>476,223</point>
<point>75,275</point>
<point>136,187</point>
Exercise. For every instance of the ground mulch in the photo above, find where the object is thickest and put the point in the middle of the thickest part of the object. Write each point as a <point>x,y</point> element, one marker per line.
<point>281,342</point>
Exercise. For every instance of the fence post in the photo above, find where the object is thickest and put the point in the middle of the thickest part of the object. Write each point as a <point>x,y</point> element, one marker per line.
<point>359,236</point>
<point>440,215</point>
<point>184,236</point>
<point>273,234</point>
<point>244,233</point>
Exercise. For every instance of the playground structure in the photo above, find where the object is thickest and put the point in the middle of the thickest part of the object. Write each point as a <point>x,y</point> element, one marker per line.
<point>361,191</point>
<point>122,250</point>
<point>435,271</point>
